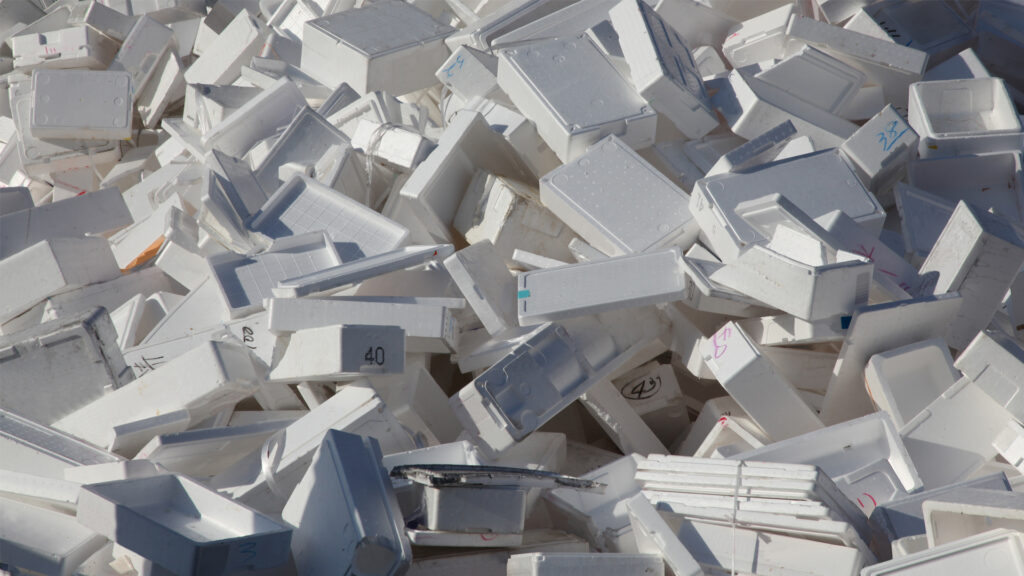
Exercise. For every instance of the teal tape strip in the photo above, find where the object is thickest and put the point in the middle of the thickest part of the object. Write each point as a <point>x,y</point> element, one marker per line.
<point>523,294</point>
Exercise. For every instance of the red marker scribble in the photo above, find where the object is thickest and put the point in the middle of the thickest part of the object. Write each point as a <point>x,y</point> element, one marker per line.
<point>723,420</point>
<point>718,341</point>
<point>485,538</point>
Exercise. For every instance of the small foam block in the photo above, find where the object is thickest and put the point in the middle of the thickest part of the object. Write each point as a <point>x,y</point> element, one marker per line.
<point>83,104</point>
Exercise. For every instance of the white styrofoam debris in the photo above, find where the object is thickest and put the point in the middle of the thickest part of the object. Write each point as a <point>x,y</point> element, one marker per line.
<point>334,274</point>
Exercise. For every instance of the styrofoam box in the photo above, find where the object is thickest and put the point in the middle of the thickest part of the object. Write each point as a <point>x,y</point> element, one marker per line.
<point>905,380</point>
<point>142,50</point>
<point>631,281</point>
<point>933,27</point>
<point>881,148</point>
<point>995,362</point>
<point>801,180</point>
<point>30,447</point>
<point>345,511</point>
<point>816,78</point>
<point>75,47</point>
<point>978,255</point>
<point>527,387</point>
<point>752,380</point>
<point>904,516</point>
<point>245,281</point>
<point>488,286</point>
<point>40,540</point>
<point>475,509</point>
<point>955,117</point>
<point>594,564</point>
<point>206,452</point>
<point>662,68</point>
<point>545,81</point>
<point>586,195</point>
<point>759,38</point>
<point>57,367</point>
<point>305,205</point>
<point>997,551</point>
<point>992,182</point>
<point>85,104</point>
<point>332,353</point>
<point>752,106</point>
<point>429,327</point>
<point>964,513</point>
<point>183,526</point>
<point>306,139</point>
<point>390,45</point>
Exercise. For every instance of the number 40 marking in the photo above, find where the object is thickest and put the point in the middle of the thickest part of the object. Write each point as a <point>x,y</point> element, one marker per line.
<point>374,355</point>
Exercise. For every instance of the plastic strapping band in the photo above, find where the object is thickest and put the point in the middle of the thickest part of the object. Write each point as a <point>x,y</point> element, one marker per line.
<point>735,509</point>
<point>374,142</point>
<point>270,458</point>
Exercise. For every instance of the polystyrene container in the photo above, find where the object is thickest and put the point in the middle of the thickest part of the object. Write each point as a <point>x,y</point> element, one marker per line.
<point>964,513</point>
<point>569,564</point>
<point>997,551</point>
<point>585,195</point>
<point>956,117</point>
<point>904,380</point>
<point>183,526</point>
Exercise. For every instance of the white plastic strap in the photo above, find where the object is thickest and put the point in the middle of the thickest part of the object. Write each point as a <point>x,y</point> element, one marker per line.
<point>270,458</point>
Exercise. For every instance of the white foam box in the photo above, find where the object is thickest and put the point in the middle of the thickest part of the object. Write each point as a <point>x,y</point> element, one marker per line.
<point>335,277</point>
<point>991,182</point>
<point>593,564</point>
<point>32,448</point>
<point>977,255</point>
<point>756,151</point>
<point>935,29</point>
<point>429,327</point>
<point>55,368</point>
<point>470,509</point>
<point>865,457</point>
<point>96,213</point>
<point>391,46</point>
<point>523,390</point>
<point>810,292</point>
<point>246,281</point>
<point>305,205</point>
<point>75,47</point>
<point>881,149</point>
<point>306,139</point>
<point>996,551</point>
<point>759,38</point>
<point>39,158</point>
<point>952,438</point>
<point>799,180</point>
<point>202,382</point>
<point>878,328</point>
<point>488,286</point>
<point>142,50</point>
<point>545,80</point>
<point>995,362</point>
<point>494,21</point>
<point>922,218</point>
<point>752,380</point>
<point>346,512</point>
<point>889,265</point>
<point>239,41</point>
<point>50,267</point>
<point>584,194</point>
<point>884,63</point>
<point>259,118</point>
<point>470,72</point>
<point>206,452</point>
<point>662,68</point>
<point>40,540</point>
<point>969,116</point>
<point>999,40</point>
<point>492,562</point>
<point>434,191</point>
<point>509,215</point>
<point>521,133</point>
<point>83,104</point>
<point>420,403</point>
<point>183,526</point>
<point>752,106</point>
<point>954,516</point>
<point>817,78</point>
<point>355,408</point>
<point>332,353</point>
<point>573,290</point>
<point>905,380</point>
<point>166,86</point>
